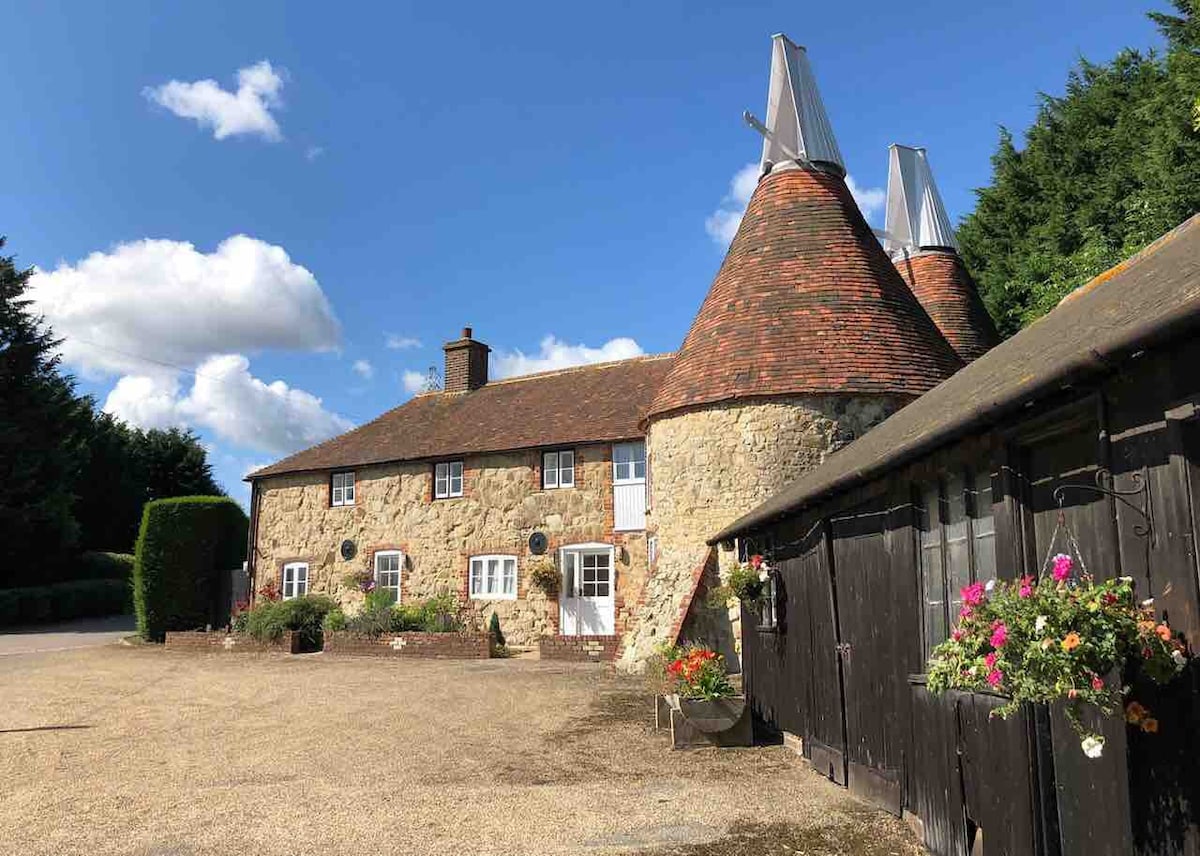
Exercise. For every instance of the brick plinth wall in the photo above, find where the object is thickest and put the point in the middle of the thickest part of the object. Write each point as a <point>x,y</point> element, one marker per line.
<point>461,646</point>
<point>289,643</point>
<point>601,649</point>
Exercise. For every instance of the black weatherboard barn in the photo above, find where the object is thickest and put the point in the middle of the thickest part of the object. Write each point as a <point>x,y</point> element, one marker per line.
<point>1101,395</point>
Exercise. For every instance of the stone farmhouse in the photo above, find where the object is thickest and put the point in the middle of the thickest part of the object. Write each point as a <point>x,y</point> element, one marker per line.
<point>619,473</point>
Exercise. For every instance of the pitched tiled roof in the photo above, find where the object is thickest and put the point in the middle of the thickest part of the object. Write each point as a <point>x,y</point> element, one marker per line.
<point>942,284</point>
<point>596,403</point>
<point>806,301</point>
<point>1150,299</point>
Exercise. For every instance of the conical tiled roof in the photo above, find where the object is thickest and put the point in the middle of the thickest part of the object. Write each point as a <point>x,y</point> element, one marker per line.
<point>806,302</point>
<point>946,290</point>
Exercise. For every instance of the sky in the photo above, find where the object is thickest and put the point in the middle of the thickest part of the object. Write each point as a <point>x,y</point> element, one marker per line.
<point>261,221</point>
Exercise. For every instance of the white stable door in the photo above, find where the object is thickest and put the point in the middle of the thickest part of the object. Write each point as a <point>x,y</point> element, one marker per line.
<point>587,606</point>
<point>629,486</point>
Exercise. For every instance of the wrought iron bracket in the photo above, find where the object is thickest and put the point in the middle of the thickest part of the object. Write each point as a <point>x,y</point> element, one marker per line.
<point>1103,485</point>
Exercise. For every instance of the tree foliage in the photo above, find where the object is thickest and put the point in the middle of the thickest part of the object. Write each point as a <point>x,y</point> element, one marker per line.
<point>1107,167</point>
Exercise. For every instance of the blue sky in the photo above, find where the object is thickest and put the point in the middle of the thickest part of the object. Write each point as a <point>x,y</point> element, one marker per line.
<point>402,170</point>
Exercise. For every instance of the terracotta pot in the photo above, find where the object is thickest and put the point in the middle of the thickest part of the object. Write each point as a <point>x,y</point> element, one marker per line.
<point>712,715</point>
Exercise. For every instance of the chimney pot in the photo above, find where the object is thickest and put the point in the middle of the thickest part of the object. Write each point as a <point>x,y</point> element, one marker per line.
<point>466,363</point>
<point>467,332</point>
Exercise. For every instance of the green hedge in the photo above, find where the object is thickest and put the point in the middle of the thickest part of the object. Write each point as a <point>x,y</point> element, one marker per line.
<point>104,566</point>
<point>63,601</point>
<point>185,549</point>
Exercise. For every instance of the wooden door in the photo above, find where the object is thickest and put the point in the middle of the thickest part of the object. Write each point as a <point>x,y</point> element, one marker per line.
<point>863,583</point>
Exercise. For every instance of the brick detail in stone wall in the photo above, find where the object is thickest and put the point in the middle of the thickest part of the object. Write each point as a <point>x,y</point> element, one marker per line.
<point>601,649</point>
<point>199,640</point>
<point>458,646</point>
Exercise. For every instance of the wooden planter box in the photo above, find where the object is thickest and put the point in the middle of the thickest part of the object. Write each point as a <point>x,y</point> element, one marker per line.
<point>695,724</point>
<point>219,641</point>
<point>458,646</point>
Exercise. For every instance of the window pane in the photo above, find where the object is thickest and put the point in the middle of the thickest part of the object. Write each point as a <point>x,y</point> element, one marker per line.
<point>349,488</point>
<point>337,495</point>
<point>493,573</point>
<point>510,576</point>
<point>566,469</point>
<point>550,469</point>
<point>456,469</point>
<point>933,590</point>
<point>983,527</point>
<point>639,469</point>
<point>622,470</point>
<point>958,558</point>
<point>476,573</point>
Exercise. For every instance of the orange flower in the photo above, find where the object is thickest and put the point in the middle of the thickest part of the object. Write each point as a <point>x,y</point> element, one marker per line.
<point>1071,642</point>
<point>1150,725</point>
<point>1146,626</point>
<point>1135,713</point>
<point>1164,632</point>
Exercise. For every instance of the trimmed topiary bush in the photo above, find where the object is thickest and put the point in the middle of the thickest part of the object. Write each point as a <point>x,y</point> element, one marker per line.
<point>494,630</point>
<point>186,548</point>
<point>64,601</point>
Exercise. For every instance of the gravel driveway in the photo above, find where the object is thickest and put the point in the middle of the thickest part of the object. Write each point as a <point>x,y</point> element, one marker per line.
<point>144,751</point>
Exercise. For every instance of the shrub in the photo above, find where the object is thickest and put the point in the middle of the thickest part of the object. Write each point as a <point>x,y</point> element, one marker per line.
<point>434,615</point>
<point>63,601</point>
<point>334,620</point>
<point>104,566</point>
<point>268,620</point>
<point>494,630</point>
<point>379,599</point>
<point>408,617</point>
<point>185,549</point>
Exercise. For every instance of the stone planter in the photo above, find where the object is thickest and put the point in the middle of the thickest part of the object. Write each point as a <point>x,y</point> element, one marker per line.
<point>697,723</point>
<point>459,646</point>
<point>240,643</point>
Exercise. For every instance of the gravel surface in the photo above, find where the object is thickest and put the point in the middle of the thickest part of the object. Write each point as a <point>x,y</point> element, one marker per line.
<point>143,751</point>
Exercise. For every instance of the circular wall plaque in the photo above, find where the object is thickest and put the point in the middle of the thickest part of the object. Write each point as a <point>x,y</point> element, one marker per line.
<point>537,543</point>
<point>348,549</point>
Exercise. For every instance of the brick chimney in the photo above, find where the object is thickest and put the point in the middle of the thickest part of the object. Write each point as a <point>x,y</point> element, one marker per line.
<point>466,363</point>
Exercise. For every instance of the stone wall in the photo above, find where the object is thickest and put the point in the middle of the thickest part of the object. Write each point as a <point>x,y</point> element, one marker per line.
<point>502,505</point>
<point>708,467</point>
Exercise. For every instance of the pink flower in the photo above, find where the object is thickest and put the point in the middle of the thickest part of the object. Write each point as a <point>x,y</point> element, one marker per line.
<point>1097,684</point>
<point>995,676</point>
<point>957,635</point>
<point>1026,589</point>
<point>972,594</point>
<point>964,613</point>
<point>999,634</point>
<point>1062,567</point>
<point>990,659</point>
<point>756,561</point>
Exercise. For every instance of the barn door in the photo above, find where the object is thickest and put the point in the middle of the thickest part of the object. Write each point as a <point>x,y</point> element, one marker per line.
<point>1091,796</point>
<point>860,558</point>
<point>813,642</point>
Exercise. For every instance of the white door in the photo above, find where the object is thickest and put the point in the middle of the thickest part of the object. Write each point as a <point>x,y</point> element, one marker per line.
<point>587,606</point>
<point>629,486</point>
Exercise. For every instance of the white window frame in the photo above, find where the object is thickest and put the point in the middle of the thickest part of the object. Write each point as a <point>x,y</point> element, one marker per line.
<point>341,489</point>
<point>399,572</point>
<point>480,573</point>
<point>293,581</point>
<point>445,476</point>
<point>768,612</point>
<point>556,472</point>
<point>631,476</point>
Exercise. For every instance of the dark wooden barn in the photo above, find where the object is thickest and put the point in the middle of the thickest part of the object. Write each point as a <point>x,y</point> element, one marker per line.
<point>1102,396</point>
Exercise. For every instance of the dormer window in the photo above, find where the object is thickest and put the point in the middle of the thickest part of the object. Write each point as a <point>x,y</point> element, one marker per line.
<point>558,469</point>
<point>342,489</point>
<point>448,480</point>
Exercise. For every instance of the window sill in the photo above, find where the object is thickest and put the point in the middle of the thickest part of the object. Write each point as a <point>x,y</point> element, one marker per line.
<point>493,597</point>
<point>451,496</point>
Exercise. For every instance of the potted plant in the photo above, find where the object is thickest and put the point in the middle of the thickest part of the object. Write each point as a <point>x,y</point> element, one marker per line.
<point>1058,638</point>
<point>700,690</point>
<point>745,582</point>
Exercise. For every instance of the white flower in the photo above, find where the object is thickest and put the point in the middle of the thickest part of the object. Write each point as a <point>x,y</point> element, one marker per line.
<point>1092,745</point>
<point>1179,658</point>
<point>991,584</point>
<point>1125,579</point>
<point>762,575</point>
<point>1040,624</point>
<point>1148,602</point>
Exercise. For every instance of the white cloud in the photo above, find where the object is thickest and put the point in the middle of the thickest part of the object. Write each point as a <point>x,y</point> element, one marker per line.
<point>246,111</point>
<point>401,343</point>
<point>236,406</point>
<point>313,152</point>
<point>363,369</point>
<point>413,382</point>
<point>723,223</point>
<point>167,301</point>
<point>870,199</point>
<point>553,353</point>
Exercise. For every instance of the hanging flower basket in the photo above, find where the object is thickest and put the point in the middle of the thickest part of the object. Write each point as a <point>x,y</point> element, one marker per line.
<point>745,583</point>
<point>1061,637</point>
<point>545,577</point>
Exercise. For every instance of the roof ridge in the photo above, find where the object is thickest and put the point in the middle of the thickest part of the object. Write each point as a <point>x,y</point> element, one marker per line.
<point>579,368</point>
